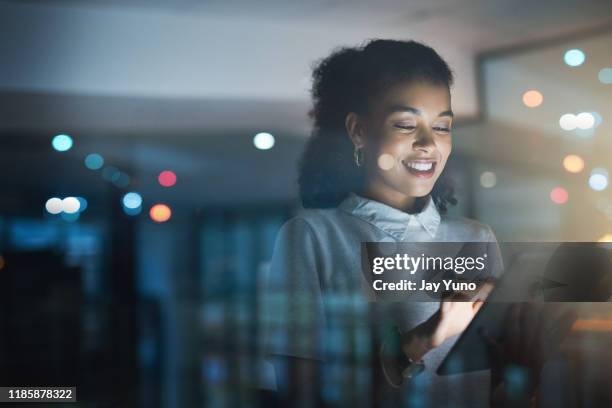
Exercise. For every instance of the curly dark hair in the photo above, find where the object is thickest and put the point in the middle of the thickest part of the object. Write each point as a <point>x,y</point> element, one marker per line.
<point>345,82</point>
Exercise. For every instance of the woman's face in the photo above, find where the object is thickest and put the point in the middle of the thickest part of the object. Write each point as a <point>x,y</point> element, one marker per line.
<point>406,139</point>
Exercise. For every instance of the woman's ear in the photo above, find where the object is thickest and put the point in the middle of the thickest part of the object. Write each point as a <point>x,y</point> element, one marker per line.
<point>355,129</point>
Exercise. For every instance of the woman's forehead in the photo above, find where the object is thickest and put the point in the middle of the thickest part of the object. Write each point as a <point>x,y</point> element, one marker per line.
<point>421,96</point>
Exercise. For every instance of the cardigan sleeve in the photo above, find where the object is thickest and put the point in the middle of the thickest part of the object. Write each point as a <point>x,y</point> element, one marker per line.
<point>294,309</point>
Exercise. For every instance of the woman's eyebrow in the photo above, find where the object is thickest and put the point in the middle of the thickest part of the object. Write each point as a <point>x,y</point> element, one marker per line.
<point>410,109</point>
<point>402,108</point>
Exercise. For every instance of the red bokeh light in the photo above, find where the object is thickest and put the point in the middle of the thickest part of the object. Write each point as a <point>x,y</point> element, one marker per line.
<point>559,195</point>
<point>167,178</point>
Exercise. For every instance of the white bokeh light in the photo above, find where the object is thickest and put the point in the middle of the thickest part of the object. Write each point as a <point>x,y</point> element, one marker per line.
<point>71,205</point>
<point>263,141</point>
<point>585,120</point>
<point>488,179</point>
<point>54,205</point>
<point>568,121</point>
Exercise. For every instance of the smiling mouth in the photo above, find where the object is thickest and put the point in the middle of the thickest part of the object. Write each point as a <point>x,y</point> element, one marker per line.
<point>420,168</point>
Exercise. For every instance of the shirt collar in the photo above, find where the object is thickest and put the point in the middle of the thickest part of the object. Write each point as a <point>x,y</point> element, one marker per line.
<point>395,222</point>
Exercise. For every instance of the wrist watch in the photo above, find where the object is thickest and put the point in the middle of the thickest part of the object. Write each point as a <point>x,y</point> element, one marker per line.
<point>410,368</point>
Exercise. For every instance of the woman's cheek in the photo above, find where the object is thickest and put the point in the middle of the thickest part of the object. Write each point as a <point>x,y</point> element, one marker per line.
<point>446,150</point>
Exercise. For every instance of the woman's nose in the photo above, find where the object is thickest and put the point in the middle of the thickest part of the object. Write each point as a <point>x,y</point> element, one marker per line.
<point>424,141</point>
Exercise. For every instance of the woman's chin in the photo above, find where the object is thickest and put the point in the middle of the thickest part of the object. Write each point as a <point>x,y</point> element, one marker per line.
<point>418,191</point>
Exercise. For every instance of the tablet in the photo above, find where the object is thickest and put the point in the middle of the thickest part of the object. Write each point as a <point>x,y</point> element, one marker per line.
<point>558,274</point>
<point>470,352</point>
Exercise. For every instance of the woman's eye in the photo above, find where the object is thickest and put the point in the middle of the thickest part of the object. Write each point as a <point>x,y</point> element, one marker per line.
<point>442,129</point>
<point>406,127</point>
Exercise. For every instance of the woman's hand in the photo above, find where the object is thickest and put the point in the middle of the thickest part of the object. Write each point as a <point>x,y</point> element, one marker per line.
<point>456,312</point>
<point>454,315</point>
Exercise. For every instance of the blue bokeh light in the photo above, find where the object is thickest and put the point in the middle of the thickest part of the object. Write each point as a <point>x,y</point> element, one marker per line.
<point>574,57</point>
<point>70,217</point>
<point>61,143</point>
<point>598,180</point>
<point>83,203</point>
<point>605,76</point>
<point>132,200</point>
<point>111,174</point>
<point>94,161</point>
<point>132,211</point>
<point>122,181</point>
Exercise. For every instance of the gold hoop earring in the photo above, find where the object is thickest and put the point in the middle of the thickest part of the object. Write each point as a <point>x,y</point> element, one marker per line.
<point>358,156</point>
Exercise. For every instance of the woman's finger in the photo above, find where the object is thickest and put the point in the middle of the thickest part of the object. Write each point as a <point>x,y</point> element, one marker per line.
<point>477,305</point>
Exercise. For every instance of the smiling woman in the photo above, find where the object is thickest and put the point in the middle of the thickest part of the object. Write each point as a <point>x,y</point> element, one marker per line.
<point>373,171</point>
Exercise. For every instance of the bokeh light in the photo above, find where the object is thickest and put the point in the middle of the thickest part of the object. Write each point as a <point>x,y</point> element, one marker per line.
<point>598,180</point>
<point>263,141</point>
<point>167,178</point>
<point>559,195</point>
<point>573,163</point>
<point>70,217</point>
<point>488,179</point>
<point>71,205</point>
<point>132,200</point>
<point>598,118</point>
<point>574,57</point>
<point>605,76</point>
<point>160,213</point>
<point>590,131</point>
<point>54,205</point>
<point>61,143</point>
<point>122,180</point>
<point>82,204</point>
<point>532,98</point>
<point>585,120</point>
<point>111,174</point>
<point>386,161</point>
<point>2,262</point>
<point>94,161</point>
<point>132,211</point>
<point>568,121</point>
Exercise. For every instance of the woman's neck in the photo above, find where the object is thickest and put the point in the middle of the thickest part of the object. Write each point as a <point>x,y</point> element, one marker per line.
<point>393,198</point>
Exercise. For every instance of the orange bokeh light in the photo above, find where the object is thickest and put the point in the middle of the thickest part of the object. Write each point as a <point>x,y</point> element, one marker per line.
<point>559,195</point>
<point>160,213</point>
<point>573,163</point>
<point>532,98</point>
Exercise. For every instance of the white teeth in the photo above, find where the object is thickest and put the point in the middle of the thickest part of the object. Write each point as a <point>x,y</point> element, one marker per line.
<point>420,166</point>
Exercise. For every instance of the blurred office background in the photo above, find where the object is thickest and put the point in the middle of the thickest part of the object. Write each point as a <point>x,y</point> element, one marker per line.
<point>198,110</point>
